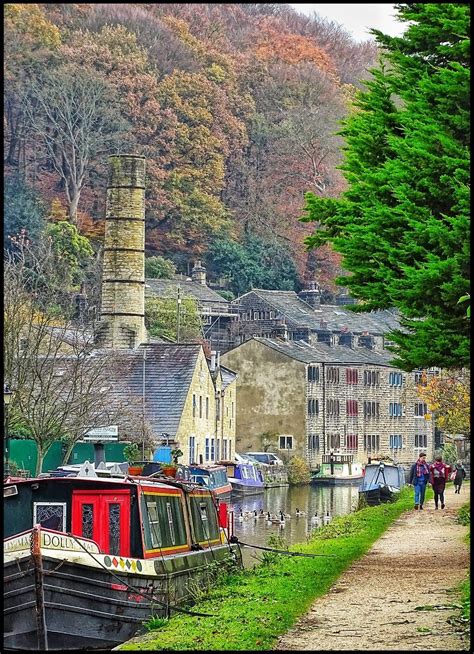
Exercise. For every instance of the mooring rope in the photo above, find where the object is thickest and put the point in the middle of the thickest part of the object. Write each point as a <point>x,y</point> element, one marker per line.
<point>234,539</point>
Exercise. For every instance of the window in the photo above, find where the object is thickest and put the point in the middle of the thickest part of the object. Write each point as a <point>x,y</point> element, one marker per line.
<point>207,450</point>
<point>395,379</point>
<point>218,407</point>
<point>212,450</point>
<point>395,410</point>
<point>313,373</point>
<point>395,441</point>
<point>192,444</point>
<point>114,528</point>
<point>371,409</point>
<point>194,406</point>
<point>371,378</point>
<point>87,520</point>
<point>286,442</point>
<point>207,408</point>
<point>421,440</point>
<point>170,522</point>
<point>154,522</point>
<point>352,408</point>
<point>421,409</point>
<point>332,376</point>
<point>352,441</point>
<point>50,515</point>
<point>332,407</point>
<point>224,449</point>
<point>371,442</point>
<point>200,406</point>
<point>313,443</point>
<point>313,407</point>
<point>420,378</point>
<point>351,376</point>
<point>334,441</point>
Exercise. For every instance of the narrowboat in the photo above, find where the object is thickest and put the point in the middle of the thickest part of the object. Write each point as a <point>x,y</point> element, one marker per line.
<point>245,478</point>
<point>213,477</point>
<point>382,482</point>
<point>88,559</point>
<point>336,469</point>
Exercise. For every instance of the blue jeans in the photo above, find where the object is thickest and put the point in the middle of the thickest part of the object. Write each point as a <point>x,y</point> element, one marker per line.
<point>420,487</point>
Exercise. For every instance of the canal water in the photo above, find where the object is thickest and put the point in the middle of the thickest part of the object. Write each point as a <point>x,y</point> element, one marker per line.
<point>337,500</point>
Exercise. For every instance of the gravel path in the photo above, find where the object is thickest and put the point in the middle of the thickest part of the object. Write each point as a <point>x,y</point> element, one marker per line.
<point>372,605</point>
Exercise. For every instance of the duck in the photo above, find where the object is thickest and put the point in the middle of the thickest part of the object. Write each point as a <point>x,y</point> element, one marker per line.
<point>315,520</point>
<point>241,517</point>
<point>261,514</point>
<point>285,515</point>
<point>299,513</point>
<point>269,518</point>
<point>327,518</point>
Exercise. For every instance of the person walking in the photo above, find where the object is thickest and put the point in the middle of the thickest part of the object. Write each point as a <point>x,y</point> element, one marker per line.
<point>419,477</point>
<point>439,473</point>
<point>460,474</point>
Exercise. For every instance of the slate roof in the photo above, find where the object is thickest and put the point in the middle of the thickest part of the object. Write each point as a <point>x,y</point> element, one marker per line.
<point>322,353</point>
<point>189,289</point>
<point>168,371</point>
<point>228,376</point>
<point>337,317</point>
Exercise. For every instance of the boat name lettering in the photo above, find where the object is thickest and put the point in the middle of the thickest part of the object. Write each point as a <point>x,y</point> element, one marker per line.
<point>51,541</point>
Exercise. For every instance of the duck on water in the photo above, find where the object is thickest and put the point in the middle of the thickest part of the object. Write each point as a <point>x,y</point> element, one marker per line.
<point>88,559</point>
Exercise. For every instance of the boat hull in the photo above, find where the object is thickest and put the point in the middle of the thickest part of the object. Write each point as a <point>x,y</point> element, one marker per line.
<point>380,495</point>
<point>246,489</point>
<point>335,480</point>
<point>86,607</point>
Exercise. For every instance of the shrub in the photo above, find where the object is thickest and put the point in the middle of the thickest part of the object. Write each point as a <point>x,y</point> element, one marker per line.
<point>298,471</point>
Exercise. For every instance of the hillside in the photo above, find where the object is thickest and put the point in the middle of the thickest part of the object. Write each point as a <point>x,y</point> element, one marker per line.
<point>234,105</point>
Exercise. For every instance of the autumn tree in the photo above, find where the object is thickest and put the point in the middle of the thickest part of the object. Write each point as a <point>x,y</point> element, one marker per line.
<point>447,396</point>
<point>72,114</point>
<point>402,226</point>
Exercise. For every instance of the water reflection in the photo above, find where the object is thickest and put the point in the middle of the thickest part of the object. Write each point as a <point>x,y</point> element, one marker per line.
<point>337,500</point>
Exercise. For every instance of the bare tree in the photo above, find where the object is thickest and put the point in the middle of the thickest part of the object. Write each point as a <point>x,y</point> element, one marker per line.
<point>63,387</point>
<point>74,115</point>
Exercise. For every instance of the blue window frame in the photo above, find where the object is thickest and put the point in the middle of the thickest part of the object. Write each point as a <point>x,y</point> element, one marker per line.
<point>192,442</point>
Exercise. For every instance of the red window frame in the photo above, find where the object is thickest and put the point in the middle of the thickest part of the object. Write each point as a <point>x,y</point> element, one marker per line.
<point>352,408</point>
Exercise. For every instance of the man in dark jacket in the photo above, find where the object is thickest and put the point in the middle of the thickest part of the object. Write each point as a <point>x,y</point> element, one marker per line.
<point>419,477</point>
<point>460,475</point>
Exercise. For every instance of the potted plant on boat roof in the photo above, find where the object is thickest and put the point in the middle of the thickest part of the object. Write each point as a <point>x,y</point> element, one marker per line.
<point>169,469</point>
<point>132,454</point>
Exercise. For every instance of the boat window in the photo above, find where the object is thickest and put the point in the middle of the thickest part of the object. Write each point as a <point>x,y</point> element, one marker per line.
<point>204,518</point>
<point>50,515</point>
<point>153,521</point>
<point>244,472</point>
<point>87,520</point>
<point>114,528</point>
<point>170,522</point>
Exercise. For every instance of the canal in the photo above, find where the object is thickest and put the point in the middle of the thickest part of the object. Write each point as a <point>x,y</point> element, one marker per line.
<point>337,500</point>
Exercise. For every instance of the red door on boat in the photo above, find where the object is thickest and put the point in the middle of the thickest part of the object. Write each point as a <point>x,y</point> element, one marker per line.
<point>103,516</point>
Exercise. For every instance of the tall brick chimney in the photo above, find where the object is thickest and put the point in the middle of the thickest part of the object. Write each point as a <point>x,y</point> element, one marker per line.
<point>122,315</point>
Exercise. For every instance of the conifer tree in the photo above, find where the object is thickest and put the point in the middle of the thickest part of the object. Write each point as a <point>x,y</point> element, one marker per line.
<point>402,226</point>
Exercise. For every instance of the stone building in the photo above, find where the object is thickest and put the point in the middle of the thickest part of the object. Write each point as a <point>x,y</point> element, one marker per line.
<point>303,316</point>
<point>217,313</point>
<point>319,398</point>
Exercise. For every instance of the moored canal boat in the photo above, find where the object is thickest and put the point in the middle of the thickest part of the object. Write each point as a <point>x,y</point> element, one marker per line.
<point>382,482</point>
<point>213,477</point>
<point>87,559</point>
<point>336,469</point>
<point>245,478</point>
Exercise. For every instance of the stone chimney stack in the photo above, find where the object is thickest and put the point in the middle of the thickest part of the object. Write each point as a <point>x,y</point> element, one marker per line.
<point>311,295</point>
<point>122,315</point>
<point>198,274</point>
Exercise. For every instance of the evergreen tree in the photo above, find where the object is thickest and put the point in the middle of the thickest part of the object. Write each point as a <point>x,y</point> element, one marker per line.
<point>402,226</point>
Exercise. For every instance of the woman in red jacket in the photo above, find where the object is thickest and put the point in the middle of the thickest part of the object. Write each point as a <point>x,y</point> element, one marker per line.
<point>439,473</point>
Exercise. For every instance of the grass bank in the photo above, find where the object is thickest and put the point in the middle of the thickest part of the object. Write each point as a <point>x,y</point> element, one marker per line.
<point>463,620</point>
<point>252,608</point>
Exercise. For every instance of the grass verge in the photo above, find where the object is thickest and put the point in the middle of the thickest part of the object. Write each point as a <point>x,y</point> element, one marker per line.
<point>253,607</point>
<point>463,620</point>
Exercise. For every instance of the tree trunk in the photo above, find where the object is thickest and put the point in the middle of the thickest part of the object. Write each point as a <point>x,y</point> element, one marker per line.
<point>68,452</point>
<point>73,206</point>
<point>39,461</point>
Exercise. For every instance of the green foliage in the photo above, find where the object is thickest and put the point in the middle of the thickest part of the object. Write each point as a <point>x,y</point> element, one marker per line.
<point>298,471</point>
<point>402,226</point>
<point>19,431</point>
<point>161,318</point>
<point>159,268</point>
<point>256,263</point>
<point>155,622</point>
<point>450,453</point>
<point>464,514</point>
<point>175,454</point>
<point>23,210</point>
<point>131,453</point>
<point>71,250</point>
<point>227,295</point>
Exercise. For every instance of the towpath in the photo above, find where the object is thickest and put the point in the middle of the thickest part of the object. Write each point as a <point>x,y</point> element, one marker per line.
<point>373,604</point>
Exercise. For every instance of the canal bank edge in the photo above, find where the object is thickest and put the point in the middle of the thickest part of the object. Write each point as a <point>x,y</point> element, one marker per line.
<point>253,608</point>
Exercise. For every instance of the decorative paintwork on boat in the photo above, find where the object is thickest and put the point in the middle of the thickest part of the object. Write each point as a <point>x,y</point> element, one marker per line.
<point>213,477</point>
<point>245,478</point>
<point>382,482</point>
<point>87,560</point>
